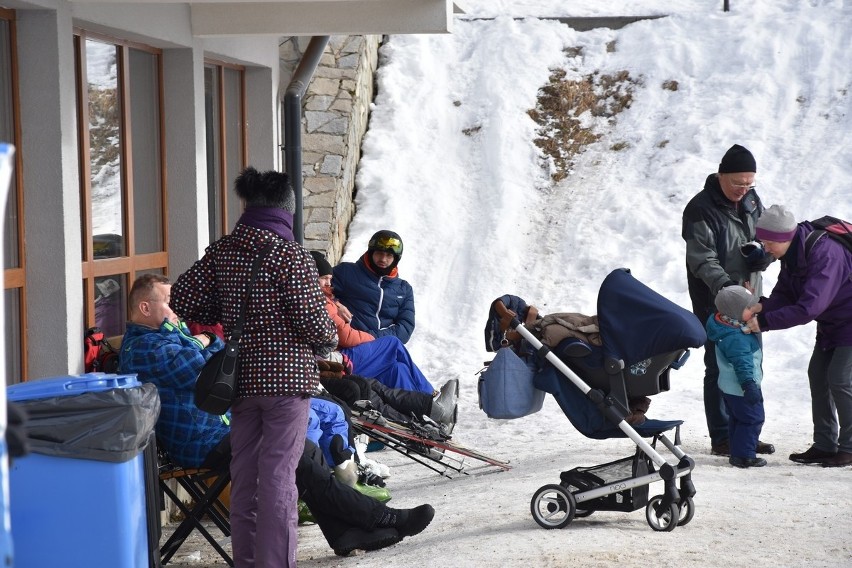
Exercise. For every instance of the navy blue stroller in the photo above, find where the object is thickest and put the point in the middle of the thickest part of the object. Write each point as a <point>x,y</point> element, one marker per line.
<point>644,336</point>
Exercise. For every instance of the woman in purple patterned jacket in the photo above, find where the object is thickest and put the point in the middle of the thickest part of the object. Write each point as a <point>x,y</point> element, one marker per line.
<point>286,326</point>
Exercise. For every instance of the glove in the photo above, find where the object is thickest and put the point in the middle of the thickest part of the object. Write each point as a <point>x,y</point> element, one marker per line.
<point>338,450</point>
<point>755,256</point>
<point>330,369</point>
<point>751,393</point>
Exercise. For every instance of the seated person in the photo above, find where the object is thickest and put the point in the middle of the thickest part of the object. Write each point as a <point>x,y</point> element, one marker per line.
<point>381,303</point>
<point>386,359</point>
<point>160,350</point>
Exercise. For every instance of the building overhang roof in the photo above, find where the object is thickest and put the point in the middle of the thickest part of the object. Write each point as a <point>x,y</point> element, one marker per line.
<point>232,18</point>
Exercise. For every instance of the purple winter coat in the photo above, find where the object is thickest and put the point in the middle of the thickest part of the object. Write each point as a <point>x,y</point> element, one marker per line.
<point>817,288</point>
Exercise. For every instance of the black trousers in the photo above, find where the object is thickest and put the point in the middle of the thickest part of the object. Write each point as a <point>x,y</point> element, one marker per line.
<point>336,507</point>
<point>394,404</point>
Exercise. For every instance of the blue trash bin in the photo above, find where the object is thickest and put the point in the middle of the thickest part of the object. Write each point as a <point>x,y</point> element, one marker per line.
<point>78,499</point>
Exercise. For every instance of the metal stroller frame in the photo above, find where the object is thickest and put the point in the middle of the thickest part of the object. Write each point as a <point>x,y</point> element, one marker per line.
<point>608,487</point>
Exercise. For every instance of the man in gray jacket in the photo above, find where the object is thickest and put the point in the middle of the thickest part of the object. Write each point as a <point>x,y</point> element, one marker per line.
<point>717,223</point>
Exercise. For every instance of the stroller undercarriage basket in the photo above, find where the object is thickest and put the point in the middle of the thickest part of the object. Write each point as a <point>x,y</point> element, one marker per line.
<point>580,480</point>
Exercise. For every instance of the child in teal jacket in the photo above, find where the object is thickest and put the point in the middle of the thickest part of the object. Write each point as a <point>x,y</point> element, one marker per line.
<point>740,358</point>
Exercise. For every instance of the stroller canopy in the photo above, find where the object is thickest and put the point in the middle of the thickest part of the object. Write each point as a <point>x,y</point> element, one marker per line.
<point>637,323</point>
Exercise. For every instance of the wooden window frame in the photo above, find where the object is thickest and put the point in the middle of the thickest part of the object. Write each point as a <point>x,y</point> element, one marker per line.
<point>131,263</point>
<point>15,278</point>
<point>226,177</point>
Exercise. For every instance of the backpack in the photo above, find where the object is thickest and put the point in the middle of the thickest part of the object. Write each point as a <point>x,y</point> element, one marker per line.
<point>98,354</point>
<point>836,229</point>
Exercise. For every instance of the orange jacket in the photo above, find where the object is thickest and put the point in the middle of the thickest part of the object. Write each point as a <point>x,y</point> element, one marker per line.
<point>347,336</point>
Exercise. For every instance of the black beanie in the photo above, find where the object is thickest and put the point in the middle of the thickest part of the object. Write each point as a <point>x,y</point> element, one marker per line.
<point>323,266</point>
<point>267,189</point>
<point>737,160</point>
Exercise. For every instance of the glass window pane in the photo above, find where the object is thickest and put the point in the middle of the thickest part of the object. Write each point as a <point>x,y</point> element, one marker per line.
<point>7,124</point>
<point>11,227</point>
<point>111,303</point>
<point>233,141</point>
<point>12,328</point>
<point>145,128</point>
<point>212,105</point>
<point>105,147</point>
<point>148,271</point>
<point>7,134</point>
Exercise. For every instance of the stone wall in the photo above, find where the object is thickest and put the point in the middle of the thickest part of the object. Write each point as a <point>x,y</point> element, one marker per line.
<point>334,119</point>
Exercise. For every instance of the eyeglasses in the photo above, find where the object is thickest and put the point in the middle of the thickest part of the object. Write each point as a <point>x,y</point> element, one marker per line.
<point>387,243</point>
<point>746,186</point>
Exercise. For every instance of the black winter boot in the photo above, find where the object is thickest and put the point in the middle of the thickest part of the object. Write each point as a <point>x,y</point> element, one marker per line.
<point>408,522</point>
<point>359,539</point>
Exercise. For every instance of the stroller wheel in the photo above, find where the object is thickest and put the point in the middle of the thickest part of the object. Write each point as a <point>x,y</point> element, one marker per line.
<point>553,507</point>
<point>662,519</point>
<point>687,511</point>
<point>573,489</point>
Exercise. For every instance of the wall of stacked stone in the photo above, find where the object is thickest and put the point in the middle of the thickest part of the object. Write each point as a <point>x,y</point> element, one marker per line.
<point>334,119</point>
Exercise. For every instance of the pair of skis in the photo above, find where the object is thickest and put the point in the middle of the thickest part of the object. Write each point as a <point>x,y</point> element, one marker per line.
<point>428,444</point>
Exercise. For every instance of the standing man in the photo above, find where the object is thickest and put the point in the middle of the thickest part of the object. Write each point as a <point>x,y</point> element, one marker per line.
<point>815,283</point>
<point>717,222</point>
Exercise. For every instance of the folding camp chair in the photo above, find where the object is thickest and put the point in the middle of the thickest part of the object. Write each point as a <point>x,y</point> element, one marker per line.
<point>205,487</point>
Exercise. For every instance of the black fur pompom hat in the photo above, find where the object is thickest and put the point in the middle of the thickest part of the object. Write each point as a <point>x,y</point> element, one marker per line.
<point>267,189</point>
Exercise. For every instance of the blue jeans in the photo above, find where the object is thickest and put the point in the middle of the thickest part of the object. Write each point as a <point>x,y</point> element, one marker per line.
<point>830,376</point>
<point>267,441</point>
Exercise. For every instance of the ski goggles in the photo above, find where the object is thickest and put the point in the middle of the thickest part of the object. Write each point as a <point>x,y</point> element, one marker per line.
<point>392,244</point>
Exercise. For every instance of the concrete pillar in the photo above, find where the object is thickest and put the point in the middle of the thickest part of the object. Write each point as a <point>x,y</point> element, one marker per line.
<point>55,316</point>
<point>186,160</point>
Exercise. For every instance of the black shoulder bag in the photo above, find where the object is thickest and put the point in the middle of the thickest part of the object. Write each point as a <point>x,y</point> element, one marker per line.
<point>216,386</point>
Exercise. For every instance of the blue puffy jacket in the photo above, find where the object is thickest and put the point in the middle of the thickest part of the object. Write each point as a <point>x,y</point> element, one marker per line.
<point>380,305</point>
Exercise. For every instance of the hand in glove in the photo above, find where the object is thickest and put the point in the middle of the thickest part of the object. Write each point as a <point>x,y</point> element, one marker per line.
<point>756,258</point>
<point>330,369</point>
<point>751,393</point>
